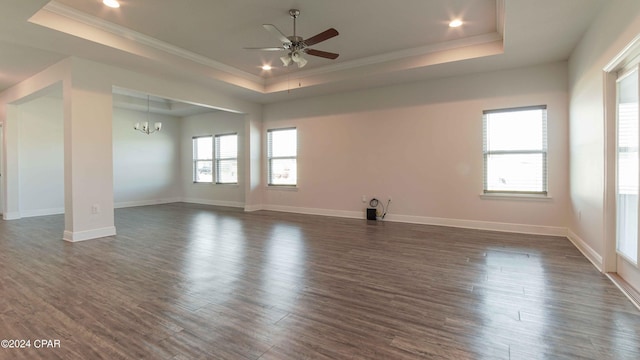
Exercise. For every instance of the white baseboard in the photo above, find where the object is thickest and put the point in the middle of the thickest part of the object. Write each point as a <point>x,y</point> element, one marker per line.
<point>126,204</point>
<point>315,211</point>
<point>234,204</point>
<point>41,212</point>
<point>480,225</point>
<point>586,250</point>
<point>250,208</point>
<point>14,215</point>
<point>470,224</point>
<point>89,234</point>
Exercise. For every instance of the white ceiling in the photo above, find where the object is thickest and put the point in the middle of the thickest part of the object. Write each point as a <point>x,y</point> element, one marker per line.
<point>380,42</point>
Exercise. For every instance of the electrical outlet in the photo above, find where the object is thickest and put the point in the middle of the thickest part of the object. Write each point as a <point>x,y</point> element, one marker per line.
<point>364,198</point>
<point>95,208</point>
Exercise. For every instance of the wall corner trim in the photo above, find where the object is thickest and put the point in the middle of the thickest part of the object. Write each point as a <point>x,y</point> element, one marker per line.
<point>586,250</point>
<point>89,234</point>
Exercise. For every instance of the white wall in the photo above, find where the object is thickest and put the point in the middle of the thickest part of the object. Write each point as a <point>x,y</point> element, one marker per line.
<point>421,144</point>
<point>41,157</point>
<point>145,167</point>
<point>212,123</point>
<point>616,25</point>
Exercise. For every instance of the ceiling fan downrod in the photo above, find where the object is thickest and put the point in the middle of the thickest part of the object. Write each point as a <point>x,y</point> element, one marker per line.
<point>294,14</point>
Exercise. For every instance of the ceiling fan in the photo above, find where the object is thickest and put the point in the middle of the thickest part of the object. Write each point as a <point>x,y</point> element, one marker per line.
<point>296,45</point>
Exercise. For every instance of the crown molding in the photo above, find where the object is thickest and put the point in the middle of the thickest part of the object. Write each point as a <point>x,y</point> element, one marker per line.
<point>407,58</point>
<point>145,40</point>
<point>498,35</point>
<point>393,56</point>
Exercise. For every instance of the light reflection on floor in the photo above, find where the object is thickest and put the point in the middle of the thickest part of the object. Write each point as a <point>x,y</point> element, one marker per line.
<point>209,260</point>
<point>284,265</point>
<point>509,300</point>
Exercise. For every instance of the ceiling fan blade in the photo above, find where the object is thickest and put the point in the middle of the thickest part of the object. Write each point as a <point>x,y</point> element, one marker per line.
<point>324,54</point>
<point>265,48</point>
<point>274,30</point>
<point>325,35</point>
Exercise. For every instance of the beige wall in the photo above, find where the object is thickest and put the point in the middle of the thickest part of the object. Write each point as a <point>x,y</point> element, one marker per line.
<point>421,144</point>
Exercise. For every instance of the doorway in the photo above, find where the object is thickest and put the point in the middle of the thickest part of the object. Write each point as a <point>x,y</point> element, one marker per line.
<point>622,171</point>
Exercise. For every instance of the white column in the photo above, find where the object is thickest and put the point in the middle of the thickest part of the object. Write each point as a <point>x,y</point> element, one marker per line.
<point>88,155</point>
<point>253,164</point>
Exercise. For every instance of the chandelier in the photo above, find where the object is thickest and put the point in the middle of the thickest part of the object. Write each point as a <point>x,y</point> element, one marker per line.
<point>144,127</point>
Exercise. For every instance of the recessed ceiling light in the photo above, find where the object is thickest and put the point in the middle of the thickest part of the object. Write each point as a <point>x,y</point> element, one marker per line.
<point>266,67</point>
<point>111,3</point>
<point>455,23</point>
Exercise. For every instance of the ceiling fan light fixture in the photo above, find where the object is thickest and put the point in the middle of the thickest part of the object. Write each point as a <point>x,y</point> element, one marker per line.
<point>296,56</point>
<point>296,45</point>
<point>301,62</point>
<point>286,60</point>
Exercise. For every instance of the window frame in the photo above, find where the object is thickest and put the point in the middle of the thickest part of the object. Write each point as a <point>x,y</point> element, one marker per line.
<point>197,159</point>
<point>217,159</point>
<point>624,73</point>
<point>270,158</point>
<point>544,152</point>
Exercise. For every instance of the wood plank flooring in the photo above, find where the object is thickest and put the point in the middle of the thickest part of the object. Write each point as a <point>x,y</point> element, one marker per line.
<point>183,281</point>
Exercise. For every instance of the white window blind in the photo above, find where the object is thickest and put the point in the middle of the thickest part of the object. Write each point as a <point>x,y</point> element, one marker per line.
<point>202,159</point>
<point>226,159</point>
<point>515,150</point>
<point>282,151</point>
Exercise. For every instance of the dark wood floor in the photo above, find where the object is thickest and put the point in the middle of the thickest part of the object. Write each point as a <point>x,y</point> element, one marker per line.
<point>194,282</point>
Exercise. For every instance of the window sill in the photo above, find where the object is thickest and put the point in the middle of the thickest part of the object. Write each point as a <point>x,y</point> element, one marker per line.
<point>215,184</point>
<point>283,187</point>
<point>521,197</point>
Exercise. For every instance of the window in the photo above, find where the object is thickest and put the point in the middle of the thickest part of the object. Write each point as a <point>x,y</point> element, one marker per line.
<point>282,149</point>
<point>203,159</point>
<point>515,150</point>
<point>227,159</point>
